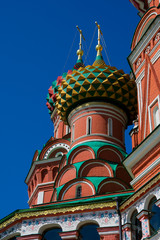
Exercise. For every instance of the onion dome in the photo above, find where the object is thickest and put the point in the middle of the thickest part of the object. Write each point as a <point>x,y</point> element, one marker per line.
<point>52,92</point>
<point>100,83</point>
<point>141,5</point>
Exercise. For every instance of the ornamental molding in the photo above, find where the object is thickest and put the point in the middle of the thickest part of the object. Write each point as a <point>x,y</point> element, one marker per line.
<point>97,106</point>
<point>141,205</point>
<point>144,40</point>
<point>12,231</point>
<point>58,145</point>
<point>35,214</point>
<point>139,193</point>
<point>147,145</point>
<point>40,162</point>
<point>153,60</point>
<point>146,171</point>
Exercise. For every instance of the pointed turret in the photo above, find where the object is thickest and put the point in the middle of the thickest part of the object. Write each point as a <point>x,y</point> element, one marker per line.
<point>79,62</point>
<point>99,58</point>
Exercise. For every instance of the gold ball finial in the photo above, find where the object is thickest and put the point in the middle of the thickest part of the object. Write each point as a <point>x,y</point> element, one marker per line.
<point>99,47</point>
<point>80,52</point>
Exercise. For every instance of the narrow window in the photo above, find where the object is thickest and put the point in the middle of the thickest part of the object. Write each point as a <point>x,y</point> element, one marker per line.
<point>67,129</point>
<point>110,127</point>
<point>78,191</point>
<point>73,132</point>
<point>136,230</point>
<point>88,125</point>
<point>154,216</point>
<point>156,117</point>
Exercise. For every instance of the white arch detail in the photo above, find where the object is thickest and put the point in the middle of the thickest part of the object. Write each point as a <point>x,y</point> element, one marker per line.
<point>96,163</point>
<point>93,190</point>
<point>58,145</point>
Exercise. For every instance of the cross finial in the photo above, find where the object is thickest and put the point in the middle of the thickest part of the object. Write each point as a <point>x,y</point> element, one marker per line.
<point>80,51</point>
<point>99,46</point>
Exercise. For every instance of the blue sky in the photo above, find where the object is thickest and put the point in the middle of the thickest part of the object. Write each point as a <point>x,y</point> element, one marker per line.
<point>35,39</point>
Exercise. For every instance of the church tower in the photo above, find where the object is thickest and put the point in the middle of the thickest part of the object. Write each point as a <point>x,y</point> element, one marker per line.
<point>82,184</point>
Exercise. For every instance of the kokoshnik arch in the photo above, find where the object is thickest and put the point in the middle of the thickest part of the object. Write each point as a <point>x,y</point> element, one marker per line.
<point>82,184</point>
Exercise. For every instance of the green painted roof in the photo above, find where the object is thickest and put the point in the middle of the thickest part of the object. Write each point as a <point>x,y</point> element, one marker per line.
<point>95,145</point>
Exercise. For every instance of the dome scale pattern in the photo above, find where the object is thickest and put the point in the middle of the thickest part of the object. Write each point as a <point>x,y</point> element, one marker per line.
<point>97,82</point>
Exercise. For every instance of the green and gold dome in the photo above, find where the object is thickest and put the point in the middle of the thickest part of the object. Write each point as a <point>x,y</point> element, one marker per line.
<point>97,82</point>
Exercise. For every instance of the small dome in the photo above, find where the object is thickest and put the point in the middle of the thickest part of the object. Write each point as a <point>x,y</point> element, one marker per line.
<point>141,5</point>
<point>100,82</point>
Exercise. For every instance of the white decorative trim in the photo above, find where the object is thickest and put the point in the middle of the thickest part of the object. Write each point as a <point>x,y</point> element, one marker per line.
<point>146,171</point>
<point>100,135</point>
<point>144,40</point>
<point>140,66</point>
<point>145,123</point>
<point>108,233</point>
<point>156,56</point>
<point>97,162</point>
<point>82,149</point>
<point>109,108</point>
<point>39,185</point>
<point>112,151</point>
<point>112,182</point>
<point>59,154</point>
<point>40,197</point>
<point>148,144</point>
<point>70,237</point>
<point>157,99</point>
<point>122,120</point>
<point>73,132</point>
<point>140,77</point>
<point>58,145</point>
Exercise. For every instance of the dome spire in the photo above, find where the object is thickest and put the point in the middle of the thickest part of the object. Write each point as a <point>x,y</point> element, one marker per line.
<point>80,51</point>
<point>99,59</point>
<point>99,46</point>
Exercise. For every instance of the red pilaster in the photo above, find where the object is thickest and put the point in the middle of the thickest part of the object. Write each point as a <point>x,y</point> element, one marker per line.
<point>108,233</point>
<point>144,218</point>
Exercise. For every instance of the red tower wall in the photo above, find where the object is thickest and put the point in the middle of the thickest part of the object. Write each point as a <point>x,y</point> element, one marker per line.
<point>97,121</point>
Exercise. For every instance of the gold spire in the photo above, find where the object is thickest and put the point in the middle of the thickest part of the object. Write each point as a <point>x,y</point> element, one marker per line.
<point>80,51</point>
<point>99,46</point>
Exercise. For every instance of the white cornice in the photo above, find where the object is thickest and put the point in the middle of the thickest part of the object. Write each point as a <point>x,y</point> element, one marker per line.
<point>148,144</point>
<point>39,185</point>
<point>145,40</point>
<point>146,171</point>
<point>44,161</point>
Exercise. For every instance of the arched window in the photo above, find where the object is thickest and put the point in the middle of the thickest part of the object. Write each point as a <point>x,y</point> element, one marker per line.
<point>54,172</point>
<point>29,191</point>
<point>73,127</point>
<point>59,154</point>
<point>156,117</point>
<point>32,186</point>
<point>67,129</point>
<point>110,131</point>
<point>154,216</point>
<point>136,230</point>
<point>35,180</point>
<point>89,125</point>
<point>78,191</point>
<point>52,234</point>
<point>89,231</point>
<point>44,175</point>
